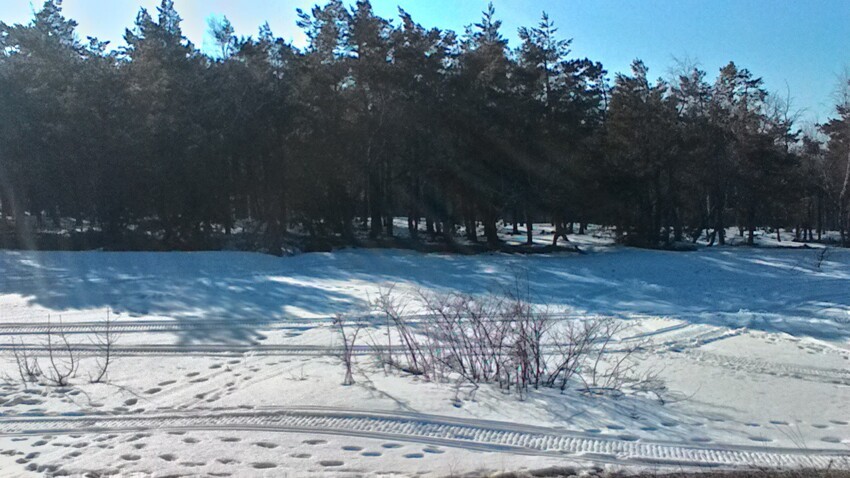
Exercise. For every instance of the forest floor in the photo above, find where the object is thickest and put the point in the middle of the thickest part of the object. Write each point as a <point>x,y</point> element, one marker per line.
<point>228,364</point>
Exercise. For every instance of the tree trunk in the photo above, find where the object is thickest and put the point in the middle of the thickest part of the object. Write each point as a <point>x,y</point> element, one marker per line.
<point>471,229</point>
<point>412,228</point>
<point>750,226</point>
<point>375,225</point>
<point>491,232</point>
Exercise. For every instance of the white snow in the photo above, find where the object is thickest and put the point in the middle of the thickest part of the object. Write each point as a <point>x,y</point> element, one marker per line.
<point>223,364</point>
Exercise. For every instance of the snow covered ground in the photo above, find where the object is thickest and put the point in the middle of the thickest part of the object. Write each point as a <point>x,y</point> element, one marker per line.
<point>227,364</point>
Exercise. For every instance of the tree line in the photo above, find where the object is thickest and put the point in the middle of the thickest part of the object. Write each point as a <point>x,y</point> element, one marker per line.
<point>377,118</point>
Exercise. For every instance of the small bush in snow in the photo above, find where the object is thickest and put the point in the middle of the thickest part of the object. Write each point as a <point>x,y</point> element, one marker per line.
<point>28,367</point>
<point>63,359</point>
<point>105,341</point>
<point>503,338</point>
<point>348,330</point>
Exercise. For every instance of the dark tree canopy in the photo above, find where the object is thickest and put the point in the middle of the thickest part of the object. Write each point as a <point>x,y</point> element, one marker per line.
<point>381,118</point>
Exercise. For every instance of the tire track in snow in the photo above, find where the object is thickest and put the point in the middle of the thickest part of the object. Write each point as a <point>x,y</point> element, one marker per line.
<point>148,326</point>
<point>682,336</point>
<point>693,336</point>
<point>142,326</point>
<point>236,350</point>
<point>445,431</point>
<point>212,350</point>
<point>816,374</point>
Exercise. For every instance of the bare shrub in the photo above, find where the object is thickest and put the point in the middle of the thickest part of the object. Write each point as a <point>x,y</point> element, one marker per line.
<point>529,325</point>
<point>105,341</point>
<point>63,359</point>
<point>821,256</point>
<point>650,383</point>
<point>505,339</point>
<point>605,371</point>
<point>573,343</point>
<point>348,330</point>
<point>393,307</point>
<point>496,338</point>
<point>28,367</point>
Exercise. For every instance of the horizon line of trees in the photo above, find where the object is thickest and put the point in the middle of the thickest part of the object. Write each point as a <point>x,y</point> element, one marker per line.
<point>375,119</point>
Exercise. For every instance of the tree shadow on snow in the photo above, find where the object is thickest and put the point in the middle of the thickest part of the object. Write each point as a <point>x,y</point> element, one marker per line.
<point>773,290</point>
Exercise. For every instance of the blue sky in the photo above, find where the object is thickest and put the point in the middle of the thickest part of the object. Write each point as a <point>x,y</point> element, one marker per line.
<point>801,46</point>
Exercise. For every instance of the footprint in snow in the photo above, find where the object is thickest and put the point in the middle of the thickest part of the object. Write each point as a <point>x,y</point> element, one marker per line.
<point>761,439</point>
<point>265,444</point>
